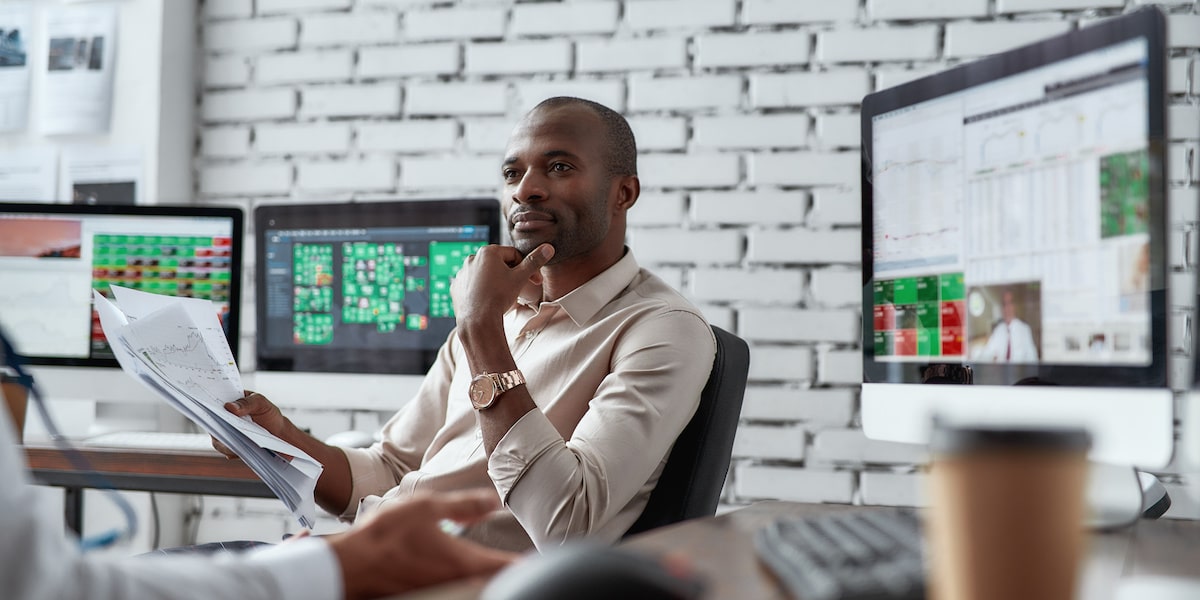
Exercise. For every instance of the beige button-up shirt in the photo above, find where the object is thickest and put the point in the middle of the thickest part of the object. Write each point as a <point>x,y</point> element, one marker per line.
<point>616,368</point>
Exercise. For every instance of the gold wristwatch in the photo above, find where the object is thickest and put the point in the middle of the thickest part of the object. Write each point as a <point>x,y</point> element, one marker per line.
<point>486,387</point>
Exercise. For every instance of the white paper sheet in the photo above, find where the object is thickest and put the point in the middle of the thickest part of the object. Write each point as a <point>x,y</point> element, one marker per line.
<point>29,175</point>
<point>175,346</point>
<point>15,58</point>
<point>78,76</point>
<point>102,175</point>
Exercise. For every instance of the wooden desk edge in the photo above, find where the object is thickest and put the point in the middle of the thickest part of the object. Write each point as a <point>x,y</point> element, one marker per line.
<point>138,461</point>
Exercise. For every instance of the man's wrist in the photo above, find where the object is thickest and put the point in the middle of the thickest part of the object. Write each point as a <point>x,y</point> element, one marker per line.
<point>477,331</point>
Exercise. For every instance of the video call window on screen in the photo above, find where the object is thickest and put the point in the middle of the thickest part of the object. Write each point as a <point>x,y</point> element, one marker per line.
<point>1011,219</point>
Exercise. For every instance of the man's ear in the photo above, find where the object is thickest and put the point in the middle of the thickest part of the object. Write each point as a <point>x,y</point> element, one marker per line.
<point>629,188</point>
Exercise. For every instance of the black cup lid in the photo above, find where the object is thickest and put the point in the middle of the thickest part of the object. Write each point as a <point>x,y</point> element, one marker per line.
<point>949,439</point>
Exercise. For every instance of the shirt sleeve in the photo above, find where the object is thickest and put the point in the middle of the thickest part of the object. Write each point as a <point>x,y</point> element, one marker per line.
<point>406,437</point>
<point>37,562</point>
<point>560,489</point>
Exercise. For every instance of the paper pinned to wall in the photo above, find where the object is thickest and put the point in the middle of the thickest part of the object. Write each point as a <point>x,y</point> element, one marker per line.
<point>29,175</point>
<point>15,30</point>
<point>102,175</point>
<point>78,76</point>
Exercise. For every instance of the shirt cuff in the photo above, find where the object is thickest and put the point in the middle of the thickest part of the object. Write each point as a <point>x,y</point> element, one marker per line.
<point>363,479</point>
<point>304,569</point>
<point>528,438</point>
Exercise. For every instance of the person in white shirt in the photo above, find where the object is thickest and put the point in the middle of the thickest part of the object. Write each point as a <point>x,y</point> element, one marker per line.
<point>396,550</point>
<point>1012,339</point>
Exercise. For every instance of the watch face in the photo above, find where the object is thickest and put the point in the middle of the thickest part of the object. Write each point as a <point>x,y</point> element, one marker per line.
<point>481,391</point>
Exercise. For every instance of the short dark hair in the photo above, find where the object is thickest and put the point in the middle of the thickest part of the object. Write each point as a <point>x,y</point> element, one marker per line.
<point>619,145</point>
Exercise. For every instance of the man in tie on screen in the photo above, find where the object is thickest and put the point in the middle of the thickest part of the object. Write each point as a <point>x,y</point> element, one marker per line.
<point>1012,338</point>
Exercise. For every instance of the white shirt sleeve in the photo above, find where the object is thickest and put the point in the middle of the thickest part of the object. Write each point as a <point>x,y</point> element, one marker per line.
<point>37,562</point>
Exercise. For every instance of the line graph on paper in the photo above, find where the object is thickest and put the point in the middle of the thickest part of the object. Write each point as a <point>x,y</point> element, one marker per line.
<point>918,188</point>
<point>197,359</point>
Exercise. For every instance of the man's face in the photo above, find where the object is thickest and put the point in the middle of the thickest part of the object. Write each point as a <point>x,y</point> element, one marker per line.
<point>556,185</point>
<point>1010,307</point>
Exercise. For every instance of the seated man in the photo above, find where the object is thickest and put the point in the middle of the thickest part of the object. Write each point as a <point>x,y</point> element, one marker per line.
<point>571,370</point>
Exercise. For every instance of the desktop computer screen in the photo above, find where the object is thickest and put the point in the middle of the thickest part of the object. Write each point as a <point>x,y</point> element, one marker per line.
<point>53,255</point>
<point>1014,233</point>
<point>362,287</point>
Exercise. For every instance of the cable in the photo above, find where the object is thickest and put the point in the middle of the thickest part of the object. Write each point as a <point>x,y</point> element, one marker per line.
<point>15,362</point>
<point>155,521</point>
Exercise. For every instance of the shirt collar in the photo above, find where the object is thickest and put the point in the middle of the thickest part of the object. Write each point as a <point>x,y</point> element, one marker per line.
<point>582,303</point>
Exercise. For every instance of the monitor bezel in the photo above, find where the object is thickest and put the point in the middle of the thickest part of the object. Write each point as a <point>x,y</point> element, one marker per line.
<point>383,213</point>
<point>238,234</point>
<point>1147,23</point>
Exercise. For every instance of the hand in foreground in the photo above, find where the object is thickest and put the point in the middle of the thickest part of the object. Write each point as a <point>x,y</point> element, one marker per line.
<point>401,547</point>
<point>261,411</point>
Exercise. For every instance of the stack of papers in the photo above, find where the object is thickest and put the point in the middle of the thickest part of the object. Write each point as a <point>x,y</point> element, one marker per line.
<point>176,347</point>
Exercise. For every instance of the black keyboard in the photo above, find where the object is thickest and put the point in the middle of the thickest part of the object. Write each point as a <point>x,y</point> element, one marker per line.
<point>859,554</point>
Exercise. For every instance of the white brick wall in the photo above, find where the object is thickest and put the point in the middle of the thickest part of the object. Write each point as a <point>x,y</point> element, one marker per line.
<point>763,131</point>
<point>509,58</point>
<point>247,105</point>
<point>456,99</point>
<point>346,29</point>
<point>333,65</point>
<point>367,174</point>
<point>418,59</point>
<point>251,35</point>
<point>774,12</point>
<point>878,44</point>
<point>625,54</point>
<point>970,39</point>
<point>454,23</point>
<point>818,407</point>
<point>767,208</point>
<point>381,100</point>
<point>303,138</point>
<point>679,14</point>
<point>909,10</point>
<point>746,114</point>
<point>684,93</point>
<point>752,49</point>
<point>841,86</point>
<point>565,19</point>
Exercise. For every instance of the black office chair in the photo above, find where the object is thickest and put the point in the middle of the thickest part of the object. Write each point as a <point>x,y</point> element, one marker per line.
<point>691,481</point>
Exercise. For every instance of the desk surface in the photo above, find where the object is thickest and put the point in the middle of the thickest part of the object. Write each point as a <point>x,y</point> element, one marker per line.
<point>149,470</point>
<point>721,548</point>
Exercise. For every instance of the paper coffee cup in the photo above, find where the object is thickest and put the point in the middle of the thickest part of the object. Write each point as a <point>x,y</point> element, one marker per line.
<point>1007,513</point>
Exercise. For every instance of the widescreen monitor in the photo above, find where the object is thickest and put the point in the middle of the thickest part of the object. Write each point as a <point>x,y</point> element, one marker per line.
<point>53,255</point>
<point>1013,243</point>
<point>356,296</point>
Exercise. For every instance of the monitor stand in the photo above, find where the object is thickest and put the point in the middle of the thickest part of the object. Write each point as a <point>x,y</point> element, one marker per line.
<point>1118,495</point>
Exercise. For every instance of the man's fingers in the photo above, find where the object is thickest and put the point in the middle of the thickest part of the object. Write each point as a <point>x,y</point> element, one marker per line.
<point>481,559</point>
<point>465,506</point>
<point>537,259</point>
<point>248,404</point>
<point>223,449</point>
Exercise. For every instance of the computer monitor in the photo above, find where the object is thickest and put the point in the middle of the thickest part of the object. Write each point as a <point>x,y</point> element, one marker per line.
<point>53,255</point>
<point>1014,235</point>
<point>353,299</point>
